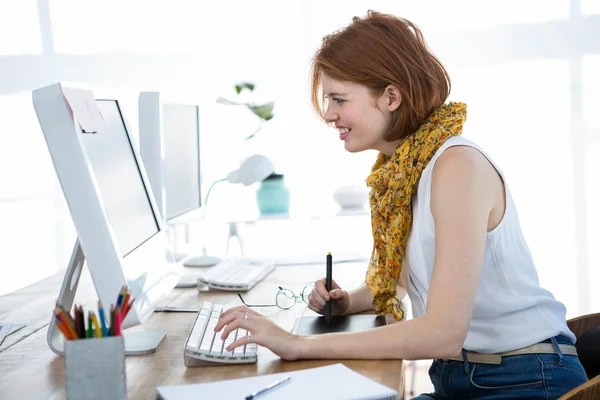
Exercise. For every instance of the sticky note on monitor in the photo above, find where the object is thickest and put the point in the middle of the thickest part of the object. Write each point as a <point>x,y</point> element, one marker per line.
<point>84,108</point>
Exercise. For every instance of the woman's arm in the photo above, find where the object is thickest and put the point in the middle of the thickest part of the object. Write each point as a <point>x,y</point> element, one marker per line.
<point>464,189</point>
<point>465,192</point>
<point>344,303</point>
<point>360,299</point>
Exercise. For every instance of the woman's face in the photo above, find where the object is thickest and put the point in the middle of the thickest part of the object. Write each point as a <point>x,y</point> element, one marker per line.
<point>361,119</point>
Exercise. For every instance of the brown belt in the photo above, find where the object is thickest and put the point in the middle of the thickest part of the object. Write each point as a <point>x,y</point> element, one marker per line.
<point>539,348</point>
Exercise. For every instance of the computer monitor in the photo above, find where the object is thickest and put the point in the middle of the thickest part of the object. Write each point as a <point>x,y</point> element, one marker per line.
<point>170,149</point>
<point>120,232</point>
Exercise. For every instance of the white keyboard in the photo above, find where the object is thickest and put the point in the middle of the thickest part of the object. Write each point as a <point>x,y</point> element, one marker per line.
<point>205,347</point>
<point>236,274</point>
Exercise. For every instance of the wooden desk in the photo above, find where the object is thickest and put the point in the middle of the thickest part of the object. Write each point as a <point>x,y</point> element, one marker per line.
<point>30,370</point>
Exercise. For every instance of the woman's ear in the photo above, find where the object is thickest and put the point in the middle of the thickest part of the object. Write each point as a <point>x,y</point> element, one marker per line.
<point>393,98</point>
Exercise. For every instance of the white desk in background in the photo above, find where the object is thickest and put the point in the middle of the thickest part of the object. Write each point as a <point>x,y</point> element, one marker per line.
<point>235,236</point>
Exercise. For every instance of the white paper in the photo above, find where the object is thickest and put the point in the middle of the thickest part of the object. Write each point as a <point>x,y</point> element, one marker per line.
<point>4,331</point>
<point>84,107</point>
<point>8,329</point>
<point>333,382</point>
<point>15,328</point>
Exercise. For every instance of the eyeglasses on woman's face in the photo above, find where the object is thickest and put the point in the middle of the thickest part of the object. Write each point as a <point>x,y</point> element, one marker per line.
<point>284,299</point>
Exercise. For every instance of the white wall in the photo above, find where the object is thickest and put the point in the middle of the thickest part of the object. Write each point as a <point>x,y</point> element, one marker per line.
<point>528,71</point>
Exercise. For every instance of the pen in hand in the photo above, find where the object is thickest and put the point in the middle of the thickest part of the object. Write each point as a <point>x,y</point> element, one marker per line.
<point>271,386</point>
<point>328,284</point>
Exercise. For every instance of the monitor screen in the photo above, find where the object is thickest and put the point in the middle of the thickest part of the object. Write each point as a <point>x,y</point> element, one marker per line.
<point>122,190</point>
<point>181,159</point>
<point>120,233</point>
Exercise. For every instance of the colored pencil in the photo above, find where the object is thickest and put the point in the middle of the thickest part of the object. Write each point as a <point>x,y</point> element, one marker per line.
<point>102,319</point>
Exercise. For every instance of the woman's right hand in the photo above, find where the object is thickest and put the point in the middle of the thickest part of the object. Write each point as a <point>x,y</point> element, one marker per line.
<point>319,296</point>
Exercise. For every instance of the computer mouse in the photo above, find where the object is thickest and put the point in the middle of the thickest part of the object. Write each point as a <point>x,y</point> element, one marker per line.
<point>201,261</point>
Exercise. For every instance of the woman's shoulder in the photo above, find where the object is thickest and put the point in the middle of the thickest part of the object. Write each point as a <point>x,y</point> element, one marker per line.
<point>462,156</point>
<point>456,141</point>
<point>464,170</point>
<point>453,149</point>
<point>460,162</point>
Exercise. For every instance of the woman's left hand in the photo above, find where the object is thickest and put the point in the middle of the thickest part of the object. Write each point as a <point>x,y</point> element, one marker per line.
<point>262,331</point>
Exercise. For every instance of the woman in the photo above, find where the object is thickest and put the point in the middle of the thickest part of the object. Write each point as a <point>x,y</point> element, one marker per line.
<point>444,227</point>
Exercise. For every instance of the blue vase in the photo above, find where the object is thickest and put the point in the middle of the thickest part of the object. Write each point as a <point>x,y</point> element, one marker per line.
<point>273,197</point>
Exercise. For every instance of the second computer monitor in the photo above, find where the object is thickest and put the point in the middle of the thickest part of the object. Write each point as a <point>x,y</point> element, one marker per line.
<point>182,159</point>
<point>170,149</point>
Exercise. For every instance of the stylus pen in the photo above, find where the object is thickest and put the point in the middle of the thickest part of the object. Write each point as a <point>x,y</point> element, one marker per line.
<point>271,386</point>
<point>328,287</point>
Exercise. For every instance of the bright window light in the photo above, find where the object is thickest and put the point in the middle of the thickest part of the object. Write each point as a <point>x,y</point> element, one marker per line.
<point>23,150</point>
<point>440,15</point>
<point>172,27</point>
<point>590,7</point>
<point>590,66</point>
<point>19,28</point>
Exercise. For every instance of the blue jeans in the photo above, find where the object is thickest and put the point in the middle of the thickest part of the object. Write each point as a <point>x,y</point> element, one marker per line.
<point>526,376</point>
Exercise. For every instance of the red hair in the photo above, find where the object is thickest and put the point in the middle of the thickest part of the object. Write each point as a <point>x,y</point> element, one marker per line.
<point>380,50</point>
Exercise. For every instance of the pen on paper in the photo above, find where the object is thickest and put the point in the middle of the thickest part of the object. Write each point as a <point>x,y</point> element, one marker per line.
<point>271,386</point>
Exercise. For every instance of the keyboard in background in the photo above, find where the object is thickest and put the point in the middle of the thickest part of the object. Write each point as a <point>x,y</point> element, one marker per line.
<point>204,346</point>
<point>236,274</point>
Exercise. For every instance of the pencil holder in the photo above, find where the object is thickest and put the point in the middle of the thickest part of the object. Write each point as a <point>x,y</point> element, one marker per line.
<point>95,369</point>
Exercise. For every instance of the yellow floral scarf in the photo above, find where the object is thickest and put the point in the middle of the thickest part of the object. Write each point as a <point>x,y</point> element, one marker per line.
<point>393,182</point>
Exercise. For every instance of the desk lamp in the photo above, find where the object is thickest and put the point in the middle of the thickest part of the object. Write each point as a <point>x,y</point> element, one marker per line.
<point>253,169</point>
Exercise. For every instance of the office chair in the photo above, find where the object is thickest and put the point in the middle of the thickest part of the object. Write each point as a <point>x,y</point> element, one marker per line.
<point>587,330</point>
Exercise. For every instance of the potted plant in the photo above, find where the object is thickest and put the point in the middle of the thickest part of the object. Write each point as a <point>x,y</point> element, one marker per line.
<point>273,197</point>
<point>263,111</point>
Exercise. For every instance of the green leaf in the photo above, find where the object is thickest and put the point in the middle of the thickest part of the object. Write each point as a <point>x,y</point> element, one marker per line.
<point>222,100</point>
<point>255,132</point>
<point>244,85</point>
<point>263,111</point>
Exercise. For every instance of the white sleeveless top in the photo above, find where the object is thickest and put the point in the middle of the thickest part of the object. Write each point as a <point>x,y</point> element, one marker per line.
<point>511,309</point>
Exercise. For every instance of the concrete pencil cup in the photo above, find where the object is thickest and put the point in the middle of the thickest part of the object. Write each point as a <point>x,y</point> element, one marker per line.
<point>95,369</point>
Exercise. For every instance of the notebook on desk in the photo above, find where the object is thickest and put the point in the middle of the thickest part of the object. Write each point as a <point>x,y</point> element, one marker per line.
<point>339,323</point>
<point>332,382</point>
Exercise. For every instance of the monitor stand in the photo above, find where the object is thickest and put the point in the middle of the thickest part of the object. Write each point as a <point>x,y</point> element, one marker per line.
<point>136,343</point>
